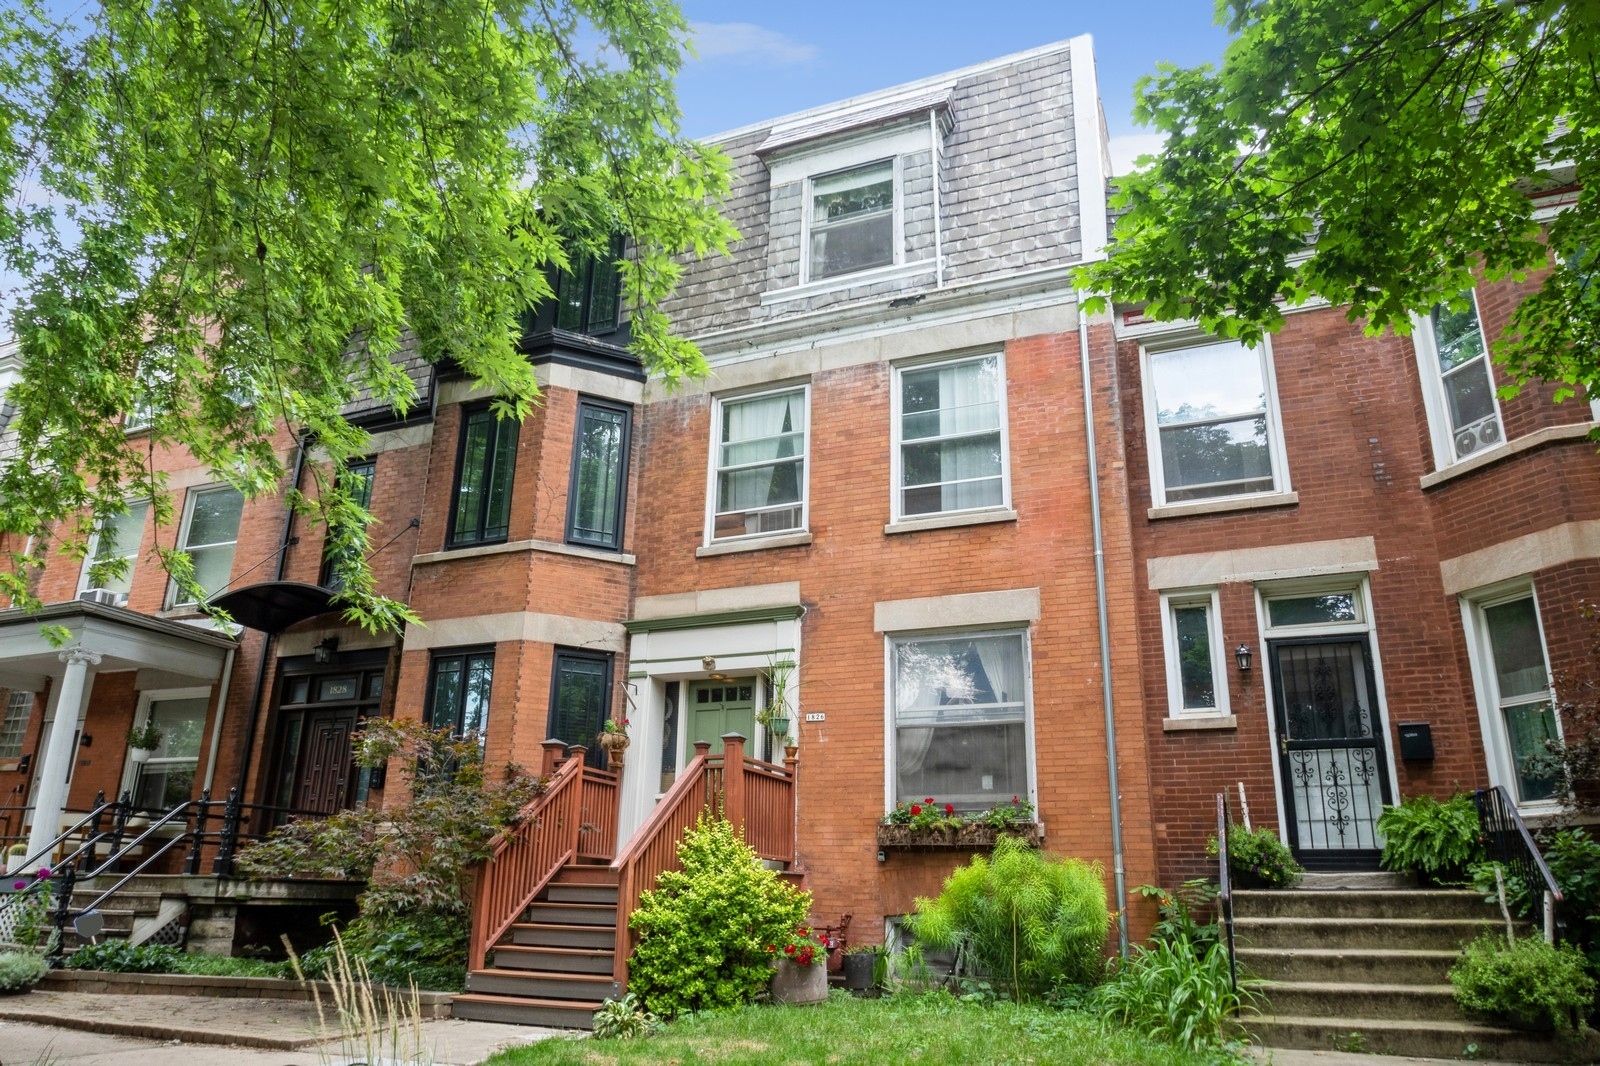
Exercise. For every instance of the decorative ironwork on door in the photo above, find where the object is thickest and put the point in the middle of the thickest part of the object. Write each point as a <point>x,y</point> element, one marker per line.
<point>1330,746</point>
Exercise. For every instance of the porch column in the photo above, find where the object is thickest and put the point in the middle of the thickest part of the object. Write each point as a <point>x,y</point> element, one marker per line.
<point>51,798</point>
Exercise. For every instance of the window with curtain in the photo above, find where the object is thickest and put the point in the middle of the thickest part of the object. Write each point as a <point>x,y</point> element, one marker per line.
<point>482,510</point>
<point>1522,690</point>
<point>1211,413</point>
<point>761,477</point>
<point>580,698</point>
<point>210,534</point>
<point>852,220</point>
<point>116,540</point>
<point>167,778</point>
<point>951,437</point>
<point>960,712</point>
<point>357,477</point>
<point>458,693</point>
<point>597,496</point>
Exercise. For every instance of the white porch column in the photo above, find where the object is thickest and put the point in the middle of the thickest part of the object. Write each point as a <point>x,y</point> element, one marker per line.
<point>71,698</point>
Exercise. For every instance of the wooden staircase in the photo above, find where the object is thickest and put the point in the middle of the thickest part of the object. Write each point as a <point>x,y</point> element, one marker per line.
<point>554,967</point>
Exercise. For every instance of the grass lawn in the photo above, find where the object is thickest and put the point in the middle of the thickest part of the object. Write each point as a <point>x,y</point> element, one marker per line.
<point>932,1029</point>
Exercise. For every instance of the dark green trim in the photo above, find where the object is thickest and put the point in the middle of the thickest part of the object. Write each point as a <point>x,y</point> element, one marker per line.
<point>720,618</point>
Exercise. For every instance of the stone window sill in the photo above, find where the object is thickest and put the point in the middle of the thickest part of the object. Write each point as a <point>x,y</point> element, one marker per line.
<point>1237,503</point>
<point>948,521</point>
<point>755,544</point>
<point>1198,723</point>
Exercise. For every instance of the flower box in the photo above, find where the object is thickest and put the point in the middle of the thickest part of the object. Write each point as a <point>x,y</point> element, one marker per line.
<point>971,835</point>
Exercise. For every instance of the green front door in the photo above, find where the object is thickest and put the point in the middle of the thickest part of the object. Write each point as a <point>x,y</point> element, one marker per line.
<point>719,707</point>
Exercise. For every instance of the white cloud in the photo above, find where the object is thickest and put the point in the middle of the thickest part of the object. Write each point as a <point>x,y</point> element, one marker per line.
<point>745,42</point>
<point>1130,146</point>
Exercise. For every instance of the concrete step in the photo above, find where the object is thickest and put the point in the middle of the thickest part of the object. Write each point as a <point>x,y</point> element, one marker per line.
<point>1427,934</point>
<point>1367,880</point>
<point>572,914</point>
<point>1421,1039</point>
<point>557,935</point>
<point>543,985</point>
<point>581,893</point>
<point>1368,965</point>
<point>1333,999</point>
<point>514,1010</point>
<point>1359,903</point>
<point>554,960</point>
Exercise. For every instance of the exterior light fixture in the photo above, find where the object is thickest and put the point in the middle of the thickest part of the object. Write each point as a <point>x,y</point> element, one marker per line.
<point>709,662</point>
<point>881,856</point>
<point>1241,654</point>
<point>322,653</point>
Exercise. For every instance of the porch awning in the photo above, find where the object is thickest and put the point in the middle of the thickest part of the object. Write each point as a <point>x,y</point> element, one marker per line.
<point>126,640</point>
<point>273,606</point>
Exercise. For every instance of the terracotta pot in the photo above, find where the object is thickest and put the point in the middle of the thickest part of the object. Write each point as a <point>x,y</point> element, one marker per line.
<point>797,985</point>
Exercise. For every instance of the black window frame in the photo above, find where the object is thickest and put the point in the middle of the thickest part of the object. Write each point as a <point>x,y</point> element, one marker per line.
<point>593,756</point>
<point>586,272</point>
<point>465,656</point>
<point>370,465</point>
<point>619,509</point>
<point>454,537</point>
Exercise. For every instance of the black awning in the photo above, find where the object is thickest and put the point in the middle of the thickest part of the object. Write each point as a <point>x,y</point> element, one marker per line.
<point>273,606</point>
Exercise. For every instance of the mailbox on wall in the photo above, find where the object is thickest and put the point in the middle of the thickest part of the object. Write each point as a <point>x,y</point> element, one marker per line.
<point>1416,741</point>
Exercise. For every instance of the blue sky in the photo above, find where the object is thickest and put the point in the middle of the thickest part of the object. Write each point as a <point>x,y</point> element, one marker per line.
<point>761,60</point>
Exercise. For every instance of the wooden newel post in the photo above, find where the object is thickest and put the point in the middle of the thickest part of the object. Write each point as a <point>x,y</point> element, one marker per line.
<point>733,780</point>
<point>576,754</point>
<point>553,750</point>
<point>702,748</point>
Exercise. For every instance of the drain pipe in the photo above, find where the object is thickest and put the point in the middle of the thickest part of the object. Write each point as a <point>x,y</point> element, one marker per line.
<point>1105,633</point>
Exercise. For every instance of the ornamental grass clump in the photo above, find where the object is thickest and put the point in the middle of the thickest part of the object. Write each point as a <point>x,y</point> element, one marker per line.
<point>1027,920</point>
<point>705,931</point>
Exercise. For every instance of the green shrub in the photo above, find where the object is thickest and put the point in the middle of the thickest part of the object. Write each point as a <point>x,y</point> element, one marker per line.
<point>1176,913</point>
<point>424,948</point>
<point>624,1019</point>
<point>1258,855</point>
<point>707,932</point>
<point>228,966</point>
<point>1027,920</point>
<point>1174,992</point>
<point>1530,981</point>
<point>21,969</point>
<point>119,956</point>
<point>1436,840</point>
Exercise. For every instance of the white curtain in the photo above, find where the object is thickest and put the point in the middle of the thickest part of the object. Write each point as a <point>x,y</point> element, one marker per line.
<point>968,403</point>
<point>754,431</point>
<point>1002,662</point>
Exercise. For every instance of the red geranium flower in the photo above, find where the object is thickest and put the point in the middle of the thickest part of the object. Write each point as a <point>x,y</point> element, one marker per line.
<point>928,800</point>
<point>916,808</point>
<point>949,808</point>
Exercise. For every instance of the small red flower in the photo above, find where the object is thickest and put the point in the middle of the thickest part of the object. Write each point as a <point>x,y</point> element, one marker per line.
<point>772,949</point>
<point>788,949</point>
<point>916,808</point>
<point>928,800</point>
<point>949,808</point>
<point>1014,799</point>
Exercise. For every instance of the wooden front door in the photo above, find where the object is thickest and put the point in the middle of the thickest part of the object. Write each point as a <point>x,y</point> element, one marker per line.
<point>320,706</point>
<point>1330,750</point>
<point>322,780</point>
<point>718,707</point>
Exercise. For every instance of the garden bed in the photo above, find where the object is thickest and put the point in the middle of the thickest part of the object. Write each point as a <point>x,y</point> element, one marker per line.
<point>433,1004</point>
<point>971,836</point>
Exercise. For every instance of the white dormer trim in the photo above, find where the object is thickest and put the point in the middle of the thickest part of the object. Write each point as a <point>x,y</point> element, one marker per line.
<point>1092,154</point>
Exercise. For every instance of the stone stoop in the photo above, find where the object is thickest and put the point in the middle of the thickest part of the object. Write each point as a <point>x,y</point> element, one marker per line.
<point>554,968</point>
<point>1353,963</point>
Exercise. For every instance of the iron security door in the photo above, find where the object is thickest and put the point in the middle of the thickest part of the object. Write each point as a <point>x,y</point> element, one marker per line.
<point>1330,750</point>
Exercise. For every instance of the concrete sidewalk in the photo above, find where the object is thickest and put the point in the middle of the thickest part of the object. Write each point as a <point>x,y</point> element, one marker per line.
<point>62,1028</point>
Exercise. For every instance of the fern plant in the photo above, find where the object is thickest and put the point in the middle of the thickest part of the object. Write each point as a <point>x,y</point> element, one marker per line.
<point>1026,919</point>
<point>1437,840</point>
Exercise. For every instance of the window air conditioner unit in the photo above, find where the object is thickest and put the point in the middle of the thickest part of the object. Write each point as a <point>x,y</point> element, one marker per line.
<point>1482,435</point>
<point>104,596</point>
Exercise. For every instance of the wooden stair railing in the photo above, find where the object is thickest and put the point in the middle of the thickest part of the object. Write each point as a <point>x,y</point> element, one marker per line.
<point>757,797</point>
<point>548,835</point>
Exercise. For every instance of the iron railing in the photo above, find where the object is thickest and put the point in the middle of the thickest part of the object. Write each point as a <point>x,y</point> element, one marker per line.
<point>1507,841</point>
<point>1225,888</point>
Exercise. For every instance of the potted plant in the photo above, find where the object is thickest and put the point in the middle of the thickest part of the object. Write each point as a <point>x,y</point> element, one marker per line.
<point>1258,859</point>
<point>860,966</point>
<point>776,715</point>
<point>15,855</point>
<point>929,823</point>
<point>613,740</point>
<point>143,740</point>
<point>801,958</point>
<point>1437,841</point>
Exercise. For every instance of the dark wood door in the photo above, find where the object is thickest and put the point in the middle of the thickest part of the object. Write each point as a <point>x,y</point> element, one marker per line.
<point>1330,750</point>
<point>323,775</point>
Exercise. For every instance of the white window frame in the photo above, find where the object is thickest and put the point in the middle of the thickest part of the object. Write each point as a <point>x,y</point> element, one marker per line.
<point>713,466</point>
<point>1276,451</point>
<point>173,590</point>
<point>1212,602</point>
<point>1486,686</point>
<point>896,444</point>
<point>18,713</point>
<point>1434,401</point>
<point>141,716</point>
<point>1030,741</point>
<point>896,214</point>
<point>93,550</point>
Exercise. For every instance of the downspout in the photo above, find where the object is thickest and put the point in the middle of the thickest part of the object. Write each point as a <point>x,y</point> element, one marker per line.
<point>1105,633</point>
<point>266,638</point>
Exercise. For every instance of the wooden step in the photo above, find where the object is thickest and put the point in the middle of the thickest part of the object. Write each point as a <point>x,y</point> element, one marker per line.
<point>518,1010</point>
<point>585,875</point>
<point>554,960</point>
<point>581,893</point>
<point>557,935</point>
<point>593,914</point>
<point>543,985</point>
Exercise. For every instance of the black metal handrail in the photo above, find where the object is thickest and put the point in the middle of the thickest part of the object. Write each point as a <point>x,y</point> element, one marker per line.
<point>1225,888</point>
<point>1507,841</point>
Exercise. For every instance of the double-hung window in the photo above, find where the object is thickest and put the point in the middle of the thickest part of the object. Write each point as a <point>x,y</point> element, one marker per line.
<point>580,697</point>
<point>1521,702</point>
<point>482,510</point>
<point>950,438</point>
<point>167,778</point>
<point>1460,386</point>
<point>597,496</point>
<point>14,726</point>
<point>852,221</point>
<point>116,541</point>
<point>1196,663</point>
<point>357,482</point>
<point>959,714</point>
<point>759,476</point>
<point>210,533</point>
<point>1212,425</point>
<point>458,692</point>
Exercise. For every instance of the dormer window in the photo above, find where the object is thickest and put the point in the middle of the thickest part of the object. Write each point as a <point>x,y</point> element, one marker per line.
<point>852,220</point>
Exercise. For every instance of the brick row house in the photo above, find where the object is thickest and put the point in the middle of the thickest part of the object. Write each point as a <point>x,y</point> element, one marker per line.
<point>989,574</point>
